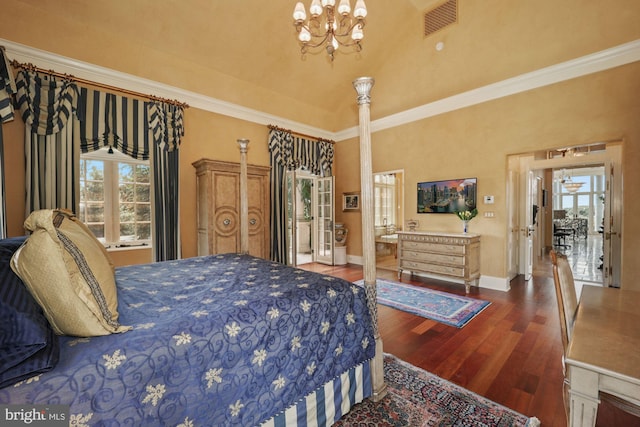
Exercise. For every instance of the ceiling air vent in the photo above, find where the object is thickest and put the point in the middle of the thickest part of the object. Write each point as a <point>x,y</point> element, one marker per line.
<point>441,16</point>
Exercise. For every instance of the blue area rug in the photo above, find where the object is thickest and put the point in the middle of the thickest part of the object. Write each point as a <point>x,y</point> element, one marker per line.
<point>443,307</point>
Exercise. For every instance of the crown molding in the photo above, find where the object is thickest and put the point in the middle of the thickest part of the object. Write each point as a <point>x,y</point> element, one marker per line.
<point>96,73</point>
<point>609,58</point>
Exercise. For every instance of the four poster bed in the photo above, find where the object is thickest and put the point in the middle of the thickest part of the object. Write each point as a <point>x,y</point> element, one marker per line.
<point>225,339</point>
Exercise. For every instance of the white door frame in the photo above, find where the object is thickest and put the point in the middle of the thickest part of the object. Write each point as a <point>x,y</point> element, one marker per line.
<point>294,176</point>
<point>612,159</point>
<point>526,221</point>
<point>513,212</point>
<point>612,270</point>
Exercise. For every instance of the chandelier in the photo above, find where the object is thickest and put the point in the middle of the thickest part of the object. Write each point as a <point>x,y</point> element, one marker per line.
<point>570,185</point>
<point>328,26</point>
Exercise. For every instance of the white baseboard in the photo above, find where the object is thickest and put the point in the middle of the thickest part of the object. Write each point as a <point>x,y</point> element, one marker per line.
<point>496,283</point>
<point>352,259</point>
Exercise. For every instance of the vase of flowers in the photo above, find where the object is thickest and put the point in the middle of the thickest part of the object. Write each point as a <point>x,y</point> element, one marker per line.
<point>466,216</point>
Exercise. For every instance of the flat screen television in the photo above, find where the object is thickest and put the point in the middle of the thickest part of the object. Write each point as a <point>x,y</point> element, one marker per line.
<point>447,196</point>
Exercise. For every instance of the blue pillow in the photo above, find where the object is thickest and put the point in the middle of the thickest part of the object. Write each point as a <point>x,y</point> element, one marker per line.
<point>28,345</point>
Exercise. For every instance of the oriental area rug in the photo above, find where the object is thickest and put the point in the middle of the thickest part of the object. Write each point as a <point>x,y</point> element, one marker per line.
<point>450,309</point>
<point>417,398</point>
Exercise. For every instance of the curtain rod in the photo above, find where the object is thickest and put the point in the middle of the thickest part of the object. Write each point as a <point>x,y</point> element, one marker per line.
<point>273,127</point>
<point>31,67</point>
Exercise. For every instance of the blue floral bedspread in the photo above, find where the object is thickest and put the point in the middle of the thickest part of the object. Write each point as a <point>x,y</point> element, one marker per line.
<point>221,340</point>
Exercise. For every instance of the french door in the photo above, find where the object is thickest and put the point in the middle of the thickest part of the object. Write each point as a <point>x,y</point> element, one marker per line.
<point>324,225</point>
<point>310,217</point>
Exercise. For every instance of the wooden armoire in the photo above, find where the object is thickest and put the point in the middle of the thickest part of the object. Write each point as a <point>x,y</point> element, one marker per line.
<point>218,207</point>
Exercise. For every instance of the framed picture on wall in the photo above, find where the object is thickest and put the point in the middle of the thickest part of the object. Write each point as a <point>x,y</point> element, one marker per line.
<point>351,202</point>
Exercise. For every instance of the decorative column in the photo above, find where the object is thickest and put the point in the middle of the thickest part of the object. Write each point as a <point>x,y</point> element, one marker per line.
<point>244,202</point>
<point>363,87</point>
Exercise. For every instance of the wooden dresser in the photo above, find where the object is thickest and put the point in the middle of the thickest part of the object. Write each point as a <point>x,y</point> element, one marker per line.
<point>218,207</point>
<point>447,255</point>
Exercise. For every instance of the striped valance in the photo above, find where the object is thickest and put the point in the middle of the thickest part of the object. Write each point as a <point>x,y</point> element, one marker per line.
<point>295,152</point>
<point>167,124</point>
<point>106,119</point>
<point>128,124</point>
<point>111,120</point>
<point>45,102</point>
<point>7,88</point>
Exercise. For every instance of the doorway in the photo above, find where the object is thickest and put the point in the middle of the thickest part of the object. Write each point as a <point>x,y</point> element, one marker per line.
<point>388,216</point>
<point>577,200</point>
<point>601,196</point>
<point>310,213</point>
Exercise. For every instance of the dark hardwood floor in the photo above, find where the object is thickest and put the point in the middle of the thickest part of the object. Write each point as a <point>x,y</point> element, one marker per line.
<point>510,353</point>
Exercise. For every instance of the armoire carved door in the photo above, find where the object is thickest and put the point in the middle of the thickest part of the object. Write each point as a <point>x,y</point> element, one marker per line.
<point>218,207</point>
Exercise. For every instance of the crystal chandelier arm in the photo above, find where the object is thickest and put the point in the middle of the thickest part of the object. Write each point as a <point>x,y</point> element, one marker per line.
<point>317,40</point>
<point>349,26</point>
<point>345,30</point>
<point>313,42</point>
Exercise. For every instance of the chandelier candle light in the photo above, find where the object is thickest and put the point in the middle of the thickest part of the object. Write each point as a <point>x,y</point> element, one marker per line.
<point>328,26</point>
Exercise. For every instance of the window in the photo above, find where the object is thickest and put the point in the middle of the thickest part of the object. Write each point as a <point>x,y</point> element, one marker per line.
<point>587,200</point>
<point>385,199</point>
<point>115,198</point>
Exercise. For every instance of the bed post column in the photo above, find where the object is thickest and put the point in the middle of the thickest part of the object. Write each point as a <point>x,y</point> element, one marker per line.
<point>363,87</point>
<point>244,202</point>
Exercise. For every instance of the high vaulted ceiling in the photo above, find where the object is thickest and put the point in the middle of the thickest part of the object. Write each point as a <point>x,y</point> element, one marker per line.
<point>246,52</point>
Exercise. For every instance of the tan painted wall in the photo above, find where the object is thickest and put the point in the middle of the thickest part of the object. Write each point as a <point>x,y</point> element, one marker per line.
<point>14,163</point>
<point>470,142</point>
<point>208,135</point>
<point>131,257</point>
<point>215,137</point>
<point>475,142</point>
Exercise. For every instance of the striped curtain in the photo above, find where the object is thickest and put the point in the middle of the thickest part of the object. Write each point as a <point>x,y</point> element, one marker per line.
<point>167,128</point>
<point>48,107</point>
<point>7,89</point>
<point>130,125</point>
<point>57,113</point>
<point>288,153</point>
<point>3,203</point>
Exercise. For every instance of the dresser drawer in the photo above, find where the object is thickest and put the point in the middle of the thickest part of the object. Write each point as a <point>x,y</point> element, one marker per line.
<point>432,247</point>
<point>454,260</point>
<point>432,268</point>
